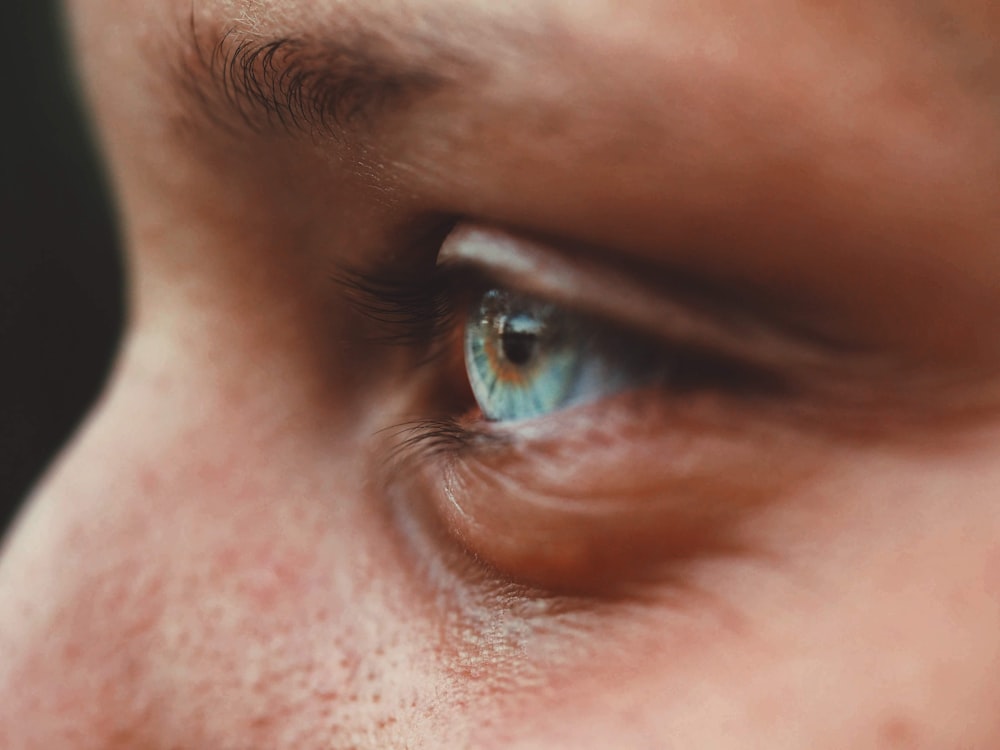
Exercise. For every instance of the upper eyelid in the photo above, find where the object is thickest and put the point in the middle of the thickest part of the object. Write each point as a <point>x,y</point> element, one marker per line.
<point>416,305</point>
<point>611,293</point>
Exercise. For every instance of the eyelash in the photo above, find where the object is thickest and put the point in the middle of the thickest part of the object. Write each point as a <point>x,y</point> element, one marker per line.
<point>415,309</point>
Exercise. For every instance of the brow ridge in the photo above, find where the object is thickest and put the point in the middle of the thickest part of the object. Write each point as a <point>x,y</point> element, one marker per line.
<point>338,86</point>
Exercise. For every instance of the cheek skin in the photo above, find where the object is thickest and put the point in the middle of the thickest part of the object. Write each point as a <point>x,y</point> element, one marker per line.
<point>876,627</point>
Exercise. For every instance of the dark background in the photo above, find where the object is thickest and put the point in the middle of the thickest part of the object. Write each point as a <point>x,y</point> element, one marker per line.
<point>60,293</point>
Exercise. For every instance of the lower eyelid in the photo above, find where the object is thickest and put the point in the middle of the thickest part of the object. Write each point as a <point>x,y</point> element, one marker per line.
<point>615,503</point>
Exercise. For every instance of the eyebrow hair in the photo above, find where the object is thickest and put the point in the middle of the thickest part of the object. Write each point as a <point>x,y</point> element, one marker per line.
<point>332,86</point>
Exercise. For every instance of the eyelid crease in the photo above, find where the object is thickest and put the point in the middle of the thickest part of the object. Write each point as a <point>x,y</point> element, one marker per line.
<point>608,292</point>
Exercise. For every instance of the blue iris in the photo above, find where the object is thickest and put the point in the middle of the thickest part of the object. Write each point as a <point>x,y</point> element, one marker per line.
<point>527,358</point>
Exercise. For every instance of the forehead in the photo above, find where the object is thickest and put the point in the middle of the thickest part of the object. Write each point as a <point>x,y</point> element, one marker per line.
<point>965,29</point>
<point>641,65</point>
<point>620,77</point>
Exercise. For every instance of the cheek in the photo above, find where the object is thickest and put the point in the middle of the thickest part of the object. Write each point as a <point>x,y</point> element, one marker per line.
<point>873,623</point>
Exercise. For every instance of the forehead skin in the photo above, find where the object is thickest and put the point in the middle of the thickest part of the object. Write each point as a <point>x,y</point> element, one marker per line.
<point>204,569</point>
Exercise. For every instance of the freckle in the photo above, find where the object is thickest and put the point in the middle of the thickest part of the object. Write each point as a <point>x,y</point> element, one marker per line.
<point>71,652</point>
<point>259,722</point>
<point>149,480</point>
<point>377,698</point>
<point>991,573</point>
<point>898,732</point>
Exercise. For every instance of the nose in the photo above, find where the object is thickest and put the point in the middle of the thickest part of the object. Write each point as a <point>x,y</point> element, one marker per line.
<point>186,578</point>
<point>80,607</point>
<point>206,567</point>
<point>90,600</point>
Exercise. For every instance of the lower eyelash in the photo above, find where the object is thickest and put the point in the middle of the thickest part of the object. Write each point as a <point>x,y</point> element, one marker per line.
<point>417,441</point>
<point>427,437</point>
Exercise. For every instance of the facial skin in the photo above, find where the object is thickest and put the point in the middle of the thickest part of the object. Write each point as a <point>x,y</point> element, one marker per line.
<point>232,553</point>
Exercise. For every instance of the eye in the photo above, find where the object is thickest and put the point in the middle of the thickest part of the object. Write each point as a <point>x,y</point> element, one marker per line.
<point>526,358</point>
<point>621,430</point>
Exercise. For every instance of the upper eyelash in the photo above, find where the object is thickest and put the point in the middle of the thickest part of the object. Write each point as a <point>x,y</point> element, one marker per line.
<point>414,308</point>
<point>420,309</point>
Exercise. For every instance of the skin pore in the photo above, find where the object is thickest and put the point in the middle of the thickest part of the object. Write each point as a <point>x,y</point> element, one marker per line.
<point>241,549</point>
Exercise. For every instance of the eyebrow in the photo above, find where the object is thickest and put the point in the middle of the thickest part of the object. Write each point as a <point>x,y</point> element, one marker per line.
<point>336,85</point>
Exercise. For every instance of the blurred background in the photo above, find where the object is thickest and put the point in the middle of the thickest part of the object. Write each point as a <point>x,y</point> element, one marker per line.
<point>60,275</point>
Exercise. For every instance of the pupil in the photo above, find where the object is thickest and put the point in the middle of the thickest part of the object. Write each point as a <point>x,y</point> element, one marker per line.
<point>520,336</point>
<point>518,347</point>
